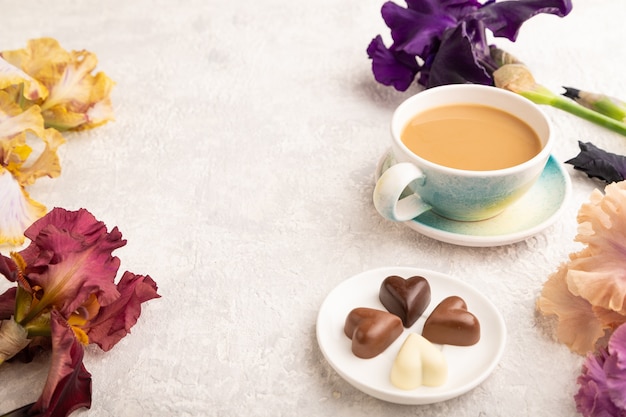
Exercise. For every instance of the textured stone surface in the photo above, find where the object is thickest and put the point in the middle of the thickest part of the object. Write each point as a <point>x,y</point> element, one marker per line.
<point>240,170</point>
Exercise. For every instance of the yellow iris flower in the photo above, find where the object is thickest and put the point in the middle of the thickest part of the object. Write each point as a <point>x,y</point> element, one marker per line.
<point>44,90</point>
<point>61,83</point>
<point>20,166</point>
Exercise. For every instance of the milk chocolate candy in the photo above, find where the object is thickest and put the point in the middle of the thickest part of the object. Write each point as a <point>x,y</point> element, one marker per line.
<point>406,298</point>
<point>371,331</point>
<point>451,324</point>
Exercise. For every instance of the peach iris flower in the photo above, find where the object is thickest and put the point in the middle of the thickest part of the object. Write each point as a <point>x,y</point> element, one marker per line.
<point>588,293</point>
<point>61,83</point>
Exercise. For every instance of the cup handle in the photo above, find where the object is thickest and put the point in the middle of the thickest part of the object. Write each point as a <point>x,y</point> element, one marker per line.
<point>389,189</point>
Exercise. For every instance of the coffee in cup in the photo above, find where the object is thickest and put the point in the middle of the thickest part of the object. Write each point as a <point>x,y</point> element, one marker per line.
<point>464,151</point>
<point>471,136</point>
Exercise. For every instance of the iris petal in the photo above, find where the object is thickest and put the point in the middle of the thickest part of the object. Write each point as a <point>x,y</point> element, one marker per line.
<point>589,291</point>
<point>76,92</point>
<point>577,325</point>
<point>395,68</point>
<point>602,383</point>
<point>425,26</point>
<point>616,368</point>
<point>69,257</point>
<point>599,275</point>
<point>77,99</point>
<point>17,210</point>
<point>461,47</point>
<point>47,163</point>
<point>592,398</point>
<point>115,320</point>
<point>413,32</point>
<point>455,8</point>
<point>11,75</point>
<point>14,120</point>
<point>14,150</point>
<point>7,268</point>
<point>68,386</point>
<point>505,18</point>
<point>101,110</point>
<point>7,303</point>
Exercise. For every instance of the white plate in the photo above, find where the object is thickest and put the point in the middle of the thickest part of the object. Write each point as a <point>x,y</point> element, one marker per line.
<point>535,211</point>
<point>468,366</point>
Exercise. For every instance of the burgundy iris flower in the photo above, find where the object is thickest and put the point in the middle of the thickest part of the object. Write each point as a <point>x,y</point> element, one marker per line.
<point>66,297</point>
<point>445,41</point>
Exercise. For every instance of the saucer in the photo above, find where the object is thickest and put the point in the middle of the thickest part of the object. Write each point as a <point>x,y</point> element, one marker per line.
<point>468,366</point>
<point>535,211</point>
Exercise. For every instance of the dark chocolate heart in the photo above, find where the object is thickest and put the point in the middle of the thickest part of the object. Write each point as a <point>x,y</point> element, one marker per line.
<point>406,298</point>
<point>371,331</point>
<point>451,324</point>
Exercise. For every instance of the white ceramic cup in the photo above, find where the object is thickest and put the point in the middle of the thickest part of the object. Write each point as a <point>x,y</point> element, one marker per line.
<point>457,194</point>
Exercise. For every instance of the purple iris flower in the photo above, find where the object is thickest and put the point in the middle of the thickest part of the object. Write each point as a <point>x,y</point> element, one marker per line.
<point>445,42</point>
<point>603,380</point>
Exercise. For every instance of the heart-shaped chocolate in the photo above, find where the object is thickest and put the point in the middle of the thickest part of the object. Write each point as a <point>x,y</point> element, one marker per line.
<point>371,331</point>
<point>406,298</point>
<point>451,324</point>
<point>418,363</point>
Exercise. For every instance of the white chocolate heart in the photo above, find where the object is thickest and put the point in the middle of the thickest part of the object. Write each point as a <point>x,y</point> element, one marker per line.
<point>418,362</point>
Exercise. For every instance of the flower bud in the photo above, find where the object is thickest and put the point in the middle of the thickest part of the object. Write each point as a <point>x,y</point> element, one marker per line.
<point>13,338</point>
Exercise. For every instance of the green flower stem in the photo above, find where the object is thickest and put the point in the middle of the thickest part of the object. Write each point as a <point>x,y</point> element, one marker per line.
<point>518,79</point>
<point>609,106</point>
<point>31,318</point>
<point>589,115</point>
<point>20,412</point>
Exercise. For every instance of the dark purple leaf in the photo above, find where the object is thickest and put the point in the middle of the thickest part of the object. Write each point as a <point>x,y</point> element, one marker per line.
<point>597,163</point>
